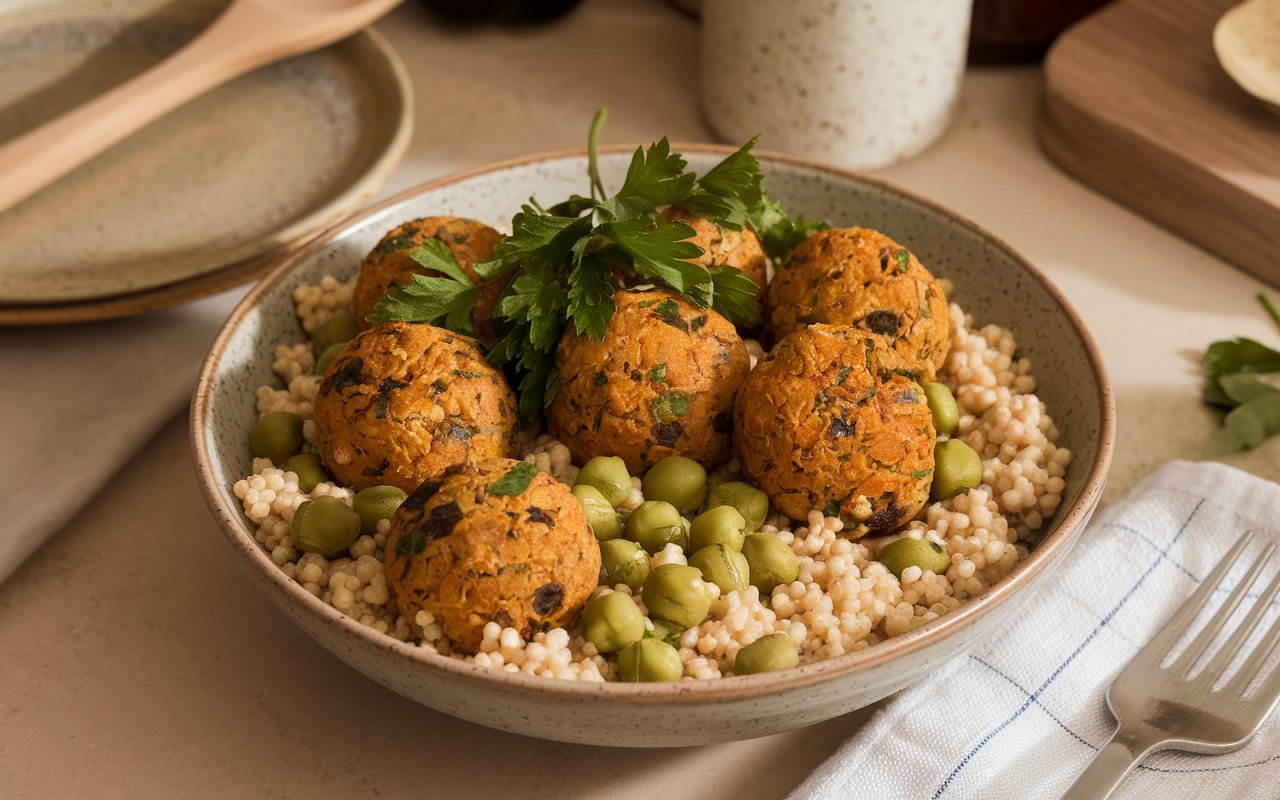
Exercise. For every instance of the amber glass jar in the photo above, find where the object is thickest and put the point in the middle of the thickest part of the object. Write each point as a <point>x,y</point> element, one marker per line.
<point>1020,31</point>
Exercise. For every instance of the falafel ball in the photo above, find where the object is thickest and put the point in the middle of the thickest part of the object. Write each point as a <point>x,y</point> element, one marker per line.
<point>818,428</point>
<point>404,401</point>
<point>660,383</point>
<point>725,247</point>
<point>857,276</point>
<point>389,264</point>
<point>504,542</point>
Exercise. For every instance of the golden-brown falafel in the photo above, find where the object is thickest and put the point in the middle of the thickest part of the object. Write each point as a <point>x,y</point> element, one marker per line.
<point>661,382</point>
<point>404,401</point>
<point>860,277</point>
<point>817,428</point>
<point>725,247</point>
<point>389,264</point>
<point>491,544</point>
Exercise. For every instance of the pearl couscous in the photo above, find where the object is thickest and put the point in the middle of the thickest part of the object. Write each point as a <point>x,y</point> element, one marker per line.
<point>842,599</point>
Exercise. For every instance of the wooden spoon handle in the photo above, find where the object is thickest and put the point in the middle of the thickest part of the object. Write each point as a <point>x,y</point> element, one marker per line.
<point>243,38</point>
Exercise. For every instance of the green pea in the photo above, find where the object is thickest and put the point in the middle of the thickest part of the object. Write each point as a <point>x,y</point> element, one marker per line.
<point>680,481</point>
<point>376,504</point>
<point>623,561</point>
<point>612,621</point>
<point>770,561</point>
<point>721,475</point>
<point>907,552</point>
<point>724,567</point>
<point>957,468</point>
<point>338,329</point>
<point>326,358</point>
<point>766,654</point>
<point>677,593</point>
<point>750,502</point>
<point>276,435</point>
<point>325,525</point>
<point>600,514</point>
<point>946,415</point>
<point>609,475</point>
<point>655,524</point>
<point>650,661</point>
<point>721,525</point>
<point>308,468</point>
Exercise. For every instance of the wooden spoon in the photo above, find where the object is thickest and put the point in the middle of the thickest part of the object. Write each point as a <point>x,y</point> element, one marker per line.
<point>247,35</point>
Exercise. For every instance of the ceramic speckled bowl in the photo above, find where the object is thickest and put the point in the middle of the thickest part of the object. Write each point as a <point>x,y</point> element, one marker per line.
<point>992,282</point>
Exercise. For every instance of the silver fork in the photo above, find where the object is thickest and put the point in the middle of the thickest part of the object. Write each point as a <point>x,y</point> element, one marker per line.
<point>1170,708</point>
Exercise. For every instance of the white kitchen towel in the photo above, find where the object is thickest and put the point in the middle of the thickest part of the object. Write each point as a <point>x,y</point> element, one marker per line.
<point>1022,714</point>
<point>77,401</point>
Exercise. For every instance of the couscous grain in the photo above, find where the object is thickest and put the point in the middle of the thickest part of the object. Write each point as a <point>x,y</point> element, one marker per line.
<point>842,600</point>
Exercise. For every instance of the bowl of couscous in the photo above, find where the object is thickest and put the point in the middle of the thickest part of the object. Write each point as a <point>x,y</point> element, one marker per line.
<point>662,533</point>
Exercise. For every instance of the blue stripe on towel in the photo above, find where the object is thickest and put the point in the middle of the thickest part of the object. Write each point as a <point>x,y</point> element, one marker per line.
<point>1032,698</point>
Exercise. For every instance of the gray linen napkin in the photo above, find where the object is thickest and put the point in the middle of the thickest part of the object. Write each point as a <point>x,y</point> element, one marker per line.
<point>77,401</point>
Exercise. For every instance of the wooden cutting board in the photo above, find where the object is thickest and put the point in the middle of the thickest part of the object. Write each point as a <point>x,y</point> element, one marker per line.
<point>1136,106</point>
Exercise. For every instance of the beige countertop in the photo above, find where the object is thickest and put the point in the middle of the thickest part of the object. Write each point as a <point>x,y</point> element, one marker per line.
<point>140,661</point>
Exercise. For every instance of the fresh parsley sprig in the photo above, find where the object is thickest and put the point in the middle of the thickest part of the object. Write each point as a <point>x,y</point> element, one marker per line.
<point>564,263</point>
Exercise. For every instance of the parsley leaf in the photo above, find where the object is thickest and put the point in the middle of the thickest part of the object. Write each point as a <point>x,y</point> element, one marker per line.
<point>657,175</point>
<point>436,255</point>
<point>591,297</point>
<point>779,234</point>
<point>729,190</point>
<point>537,238</point>
<point>515,481</point>
<point>733,295</point>
<point>661,251</point>
<point>430,300</point>
<point>562,263</point>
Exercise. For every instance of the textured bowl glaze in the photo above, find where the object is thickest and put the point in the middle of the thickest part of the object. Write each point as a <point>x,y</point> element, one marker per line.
<point>992,282</point>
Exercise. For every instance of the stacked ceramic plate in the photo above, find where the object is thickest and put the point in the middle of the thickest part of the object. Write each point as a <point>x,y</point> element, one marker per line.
<point>204,199</point>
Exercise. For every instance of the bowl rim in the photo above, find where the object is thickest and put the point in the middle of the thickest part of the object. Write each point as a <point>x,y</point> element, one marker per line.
<point>1057,543</point>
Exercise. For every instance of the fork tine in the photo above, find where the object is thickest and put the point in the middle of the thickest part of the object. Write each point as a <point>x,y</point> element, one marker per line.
<point>1159,647</point>
<point>1231,648</point>
<point>1258,658</point>
<point>1187,661</point>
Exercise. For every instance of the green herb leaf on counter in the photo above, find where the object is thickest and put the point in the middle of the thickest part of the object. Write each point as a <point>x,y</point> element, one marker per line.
<point>565,262</point>
<point>515,481</point>
<point>1230,357</point>
<point>1244,376</point>
<point>1269,308</point>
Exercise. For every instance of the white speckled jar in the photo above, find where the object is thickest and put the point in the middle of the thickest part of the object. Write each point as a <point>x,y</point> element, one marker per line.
<point>859,83</point>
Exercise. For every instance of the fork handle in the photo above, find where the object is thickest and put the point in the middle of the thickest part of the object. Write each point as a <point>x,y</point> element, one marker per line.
<point>1110,765</point>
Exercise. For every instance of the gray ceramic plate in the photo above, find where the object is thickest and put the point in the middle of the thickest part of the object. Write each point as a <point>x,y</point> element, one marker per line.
<point>230,178</point>
<point>992,282</point>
